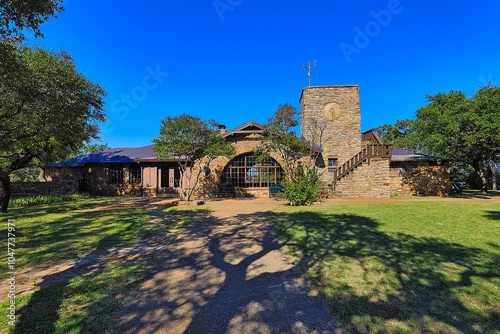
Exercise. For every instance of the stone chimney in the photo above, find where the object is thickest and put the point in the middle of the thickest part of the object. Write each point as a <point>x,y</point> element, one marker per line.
<point>222,129</point>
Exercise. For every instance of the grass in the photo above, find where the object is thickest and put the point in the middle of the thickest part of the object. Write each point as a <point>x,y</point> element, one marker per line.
<point>86,304</point>
<point>30,201</point>
<point>62,230</point>
<point>53,232</point>
<point>414,267</point>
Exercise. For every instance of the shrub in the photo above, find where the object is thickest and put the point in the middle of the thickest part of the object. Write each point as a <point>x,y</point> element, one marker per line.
<point>305,189</point>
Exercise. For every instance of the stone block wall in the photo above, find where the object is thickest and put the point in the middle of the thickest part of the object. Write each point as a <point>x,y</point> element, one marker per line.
<point>367,181</point>
<point>33,189</point>
<point>93,178</point>
<point>331,116</point>
<point>427,181</point>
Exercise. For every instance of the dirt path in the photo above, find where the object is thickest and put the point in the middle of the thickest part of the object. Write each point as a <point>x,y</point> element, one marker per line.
<point>226,274</point>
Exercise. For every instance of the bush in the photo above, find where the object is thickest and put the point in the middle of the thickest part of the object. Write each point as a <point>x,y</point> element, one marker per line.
<point>305,190</point>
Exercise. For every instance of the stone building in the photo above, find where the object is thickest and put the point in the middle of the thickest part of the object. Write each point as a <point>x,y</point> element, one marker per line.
<point>353,164</point>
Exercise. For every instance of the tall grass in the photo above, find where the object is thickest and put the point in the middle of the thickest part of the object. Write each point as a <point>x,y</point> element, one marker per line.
<point>30,201</point>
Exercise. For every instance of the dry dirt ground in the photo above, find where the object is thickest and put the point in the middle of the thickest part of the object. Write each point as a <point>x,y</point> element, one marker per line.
<point>227,274</point>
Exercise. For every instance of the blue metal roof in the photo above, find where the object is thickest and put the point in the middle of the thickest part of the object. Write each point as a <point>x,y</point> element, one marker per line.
<point>126,154</point>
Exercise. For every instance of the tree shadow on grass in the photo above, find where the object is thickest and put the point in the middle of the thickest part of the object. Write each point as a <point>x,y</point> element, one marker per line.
<point>85,304</point>
<point>493,215</point>
<point>373,279</point>
<point>86,296</point>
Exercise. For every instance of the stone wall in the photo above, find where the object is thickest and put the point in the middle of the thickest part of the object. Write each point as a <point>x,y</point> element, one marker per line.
<point>426,181</point>
<point>331,116</point>
<point>33,189</point>
<point>93,178</point>
<point>367,181</point>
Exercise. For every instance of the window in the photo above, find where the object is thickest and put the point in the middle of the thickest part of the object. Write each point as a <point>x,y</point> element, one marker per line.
<point>246,172</point>
<point>135,174</point>
<point>332,164</point>
<point>116,174</point>
<point>409,170</point>
<point>403,170</point>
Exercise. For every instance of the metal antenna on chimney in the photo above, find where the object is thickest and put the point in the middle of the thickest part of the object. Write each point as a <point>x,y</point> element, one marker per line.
<point>309,70</point>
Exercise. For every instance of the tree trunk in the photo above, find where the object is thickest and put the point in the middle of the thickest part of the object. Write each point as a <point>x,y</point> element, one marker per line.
<point>6,191</point>
<point>494,175</point>
<point>484,181</point>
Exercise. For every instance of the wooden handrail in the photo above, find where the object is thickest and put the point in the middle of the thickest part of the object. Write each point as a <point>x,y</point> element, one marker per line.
<point>369,152</point>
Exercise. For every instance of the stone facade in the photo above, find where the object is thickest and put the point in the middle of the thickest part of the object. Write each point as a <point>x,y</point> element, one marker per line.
<point>426,180</point>
<point>331,117</point>
<point>32,189</point>
<point>367,181</point>
<point>93,178</point>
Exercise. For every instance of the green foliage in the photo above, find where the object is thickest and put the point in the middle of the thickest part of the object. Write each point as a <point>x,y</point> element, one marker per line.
<point>465,129</point>
<point>304,189</point>
<point>284,120</point>
<point>47,109</point>
<point>188,139</point>
<point>31,201</point>
<point>28,174</point>
<point>280,139</point>
<point>454,126</point>
<point>27,14</point>
<point>91,148</point>
<point>401,134</point>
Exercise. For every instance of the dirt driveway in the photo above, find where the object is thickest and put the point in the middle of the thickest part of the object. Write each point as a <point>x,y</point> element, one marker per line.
<point>227,274</point>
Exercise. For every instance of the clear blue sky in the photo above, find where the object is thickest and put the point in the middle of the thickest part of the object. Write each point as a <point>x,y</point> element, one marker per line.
<point>237,60</point>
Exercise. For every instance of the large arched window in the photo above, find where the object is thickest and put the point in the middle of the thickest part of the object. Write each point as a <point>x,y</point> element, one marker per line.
<point>246,172</point>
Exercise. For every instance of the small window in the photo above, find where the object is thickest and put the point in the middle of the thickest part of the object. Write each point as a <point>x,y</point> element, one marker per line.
<point>332,164</point>
<point>395,170</point>
<point>409,170</point>
<point>116,174</point>
<point>135,174</point>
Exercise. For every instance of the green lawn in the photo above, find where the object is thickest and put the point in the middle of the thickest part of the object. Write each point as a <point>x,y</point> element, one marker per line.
<point>57,231</point>
<point>52,232</point>
<point>413,267</point>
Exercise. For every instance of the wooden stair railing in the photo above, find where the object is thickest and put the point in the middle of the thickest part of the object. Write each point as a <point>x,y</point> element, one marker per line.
<point>369,152</point>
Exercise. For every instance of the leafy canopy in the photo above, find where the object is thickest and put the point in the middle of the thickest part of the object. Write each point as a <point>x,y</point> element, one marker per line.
<point>401,134</point>
<point>91,148</point>
<point>455,126</point>
<point>16,15</point>
<point>47,108</point>
<point>465,129</point>
<point>190,141</point>
<point>280,138</point>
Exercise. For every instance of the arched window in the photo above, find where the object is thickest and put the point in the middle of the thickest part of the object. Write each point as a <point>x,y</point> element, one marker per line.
<point>246,172</point>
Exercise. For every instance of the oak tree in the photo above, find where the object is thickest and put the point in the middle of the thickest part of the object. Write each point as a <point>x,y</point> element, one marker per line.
<point>455,126</point>
<point>48,109</point>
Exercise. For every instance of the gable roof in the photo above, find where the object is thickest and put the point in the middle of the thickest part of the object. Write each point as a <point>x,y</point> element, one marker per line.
<point>399,155</point>
<point>246,128</point>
